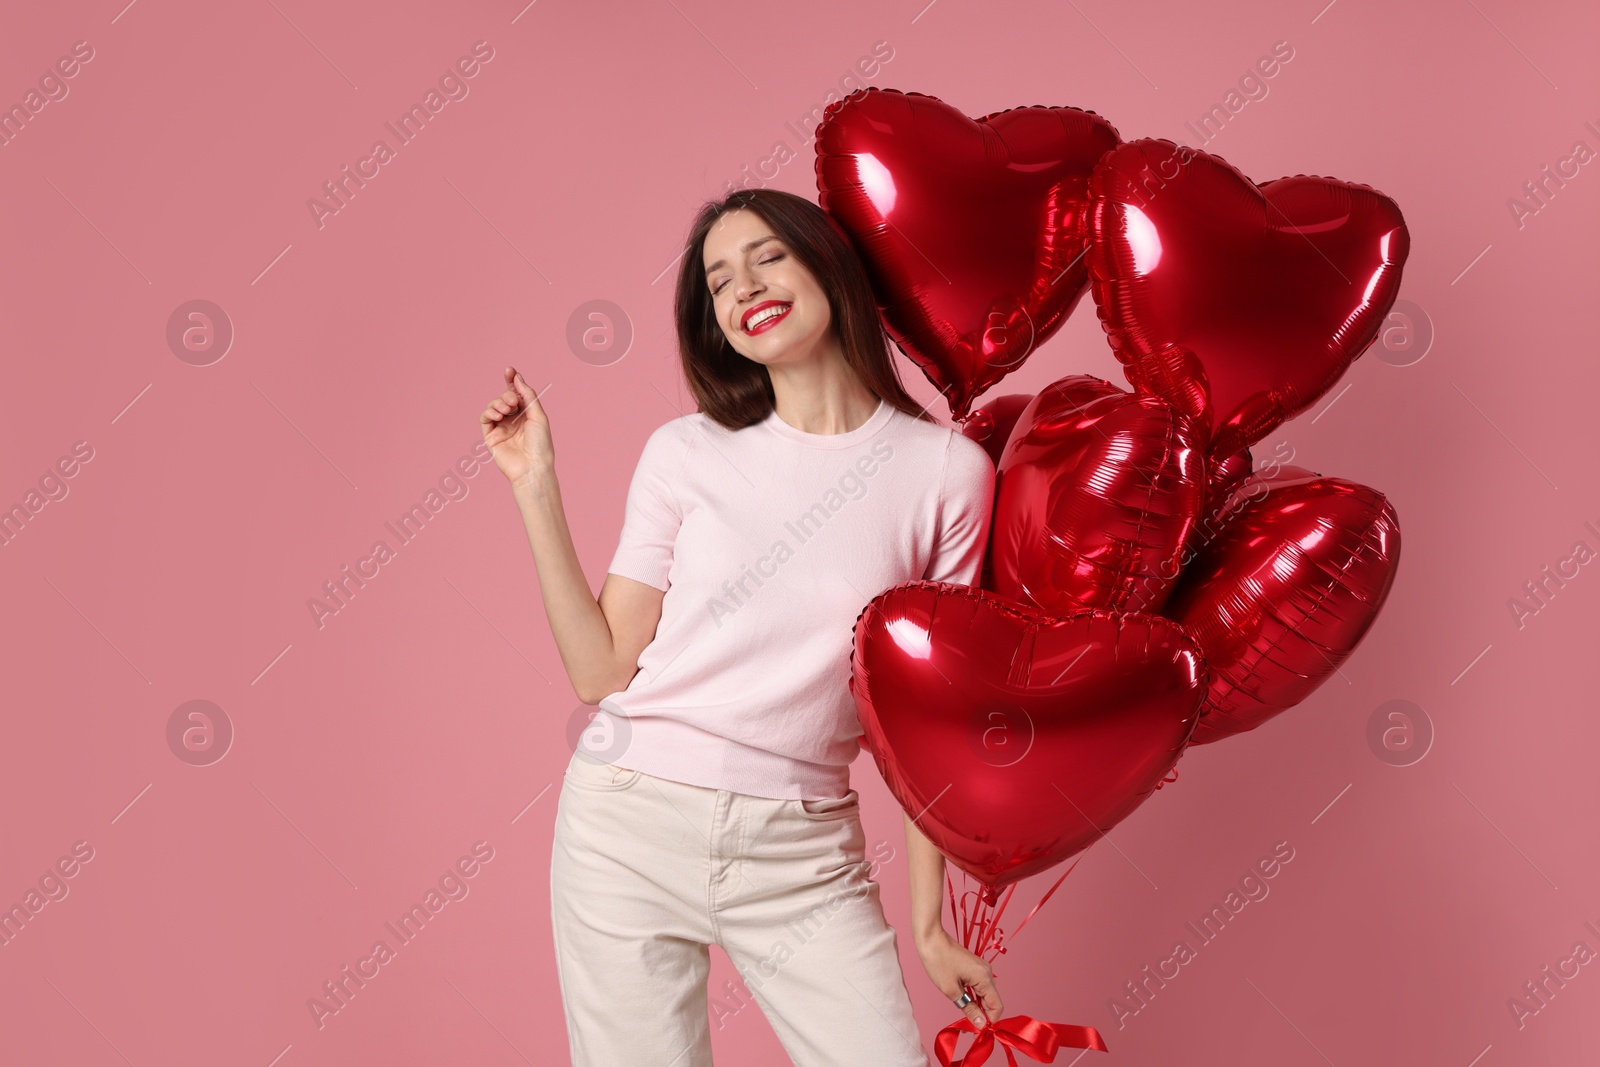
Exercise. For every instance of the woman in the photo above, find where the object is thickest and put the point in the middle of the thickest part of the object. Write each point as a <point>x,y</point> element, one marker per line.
<point>710,802</point>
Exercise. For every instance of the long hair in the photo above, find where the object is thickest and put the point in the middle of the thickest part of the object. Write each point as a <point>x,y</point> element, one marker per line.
<point>737,392</point>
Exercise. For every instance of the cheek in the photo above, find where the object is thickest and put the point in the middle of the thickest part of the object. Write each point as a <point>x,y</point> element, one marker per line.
<point>818,297</point>
<point>817,312</point>
<point>732,334</point>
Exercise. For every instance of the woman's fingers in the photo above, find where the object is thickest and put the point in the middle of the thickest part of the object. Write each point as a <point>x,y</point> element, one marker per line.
<point>519,391</point>
<point>505,403</point>
<point>523,389</point>
<point>499,408</point>
<point>975,1015</point>
<point>985,994</point>
<point>990,996</point>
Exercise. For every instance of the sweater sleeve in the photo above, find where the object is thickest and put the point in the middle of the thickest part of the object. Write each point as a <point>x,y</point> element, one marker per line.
<point>652,515</point>
<point>966,505</point>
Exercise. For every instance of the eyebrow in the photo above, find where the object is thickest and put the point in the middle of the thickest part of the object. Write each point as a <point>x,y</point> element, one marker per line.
<point>748,245</point>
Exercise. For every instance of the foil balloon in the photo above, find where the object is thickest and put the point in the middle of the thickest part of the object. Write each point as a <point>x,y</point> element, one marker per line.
<point>971,230</point>
<point>991,424</point>
<point>1096,496</point>
<point>1284,592</point>
<point>1239,303</point>
<point>1016,738</point>
<point>1223,477</point>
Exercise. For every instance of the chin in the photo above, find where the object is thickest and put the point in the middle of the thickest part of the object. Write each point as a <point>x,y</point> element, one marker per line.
<point>772,356</point>
<point>792,345</point>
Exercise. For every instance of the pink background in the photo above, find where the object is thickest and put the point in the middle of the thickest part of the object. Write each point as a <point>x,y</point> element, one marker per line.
<point>432,711</point>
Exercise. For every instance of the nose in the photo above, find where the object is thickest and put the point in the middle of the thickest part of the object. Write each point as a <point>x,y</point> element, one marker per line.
<point>746,287</point>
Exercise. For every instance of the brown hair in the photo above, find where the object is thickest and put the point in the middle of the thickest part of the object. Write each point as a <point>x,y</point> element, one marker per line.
<point>737,392</point>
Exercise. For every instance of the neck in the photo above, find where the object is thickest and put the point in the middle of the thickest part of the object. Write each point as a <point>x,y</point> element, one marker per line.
<point>821,395</point>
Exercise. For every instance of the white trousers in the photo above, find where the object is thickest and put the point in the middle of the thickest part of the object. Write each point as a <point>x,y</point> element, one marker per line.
<point>646,873</point>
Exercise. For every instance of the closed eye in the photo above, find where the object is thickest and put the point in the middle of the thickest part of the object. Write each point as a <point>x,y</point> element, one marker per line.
<point>770,259</point>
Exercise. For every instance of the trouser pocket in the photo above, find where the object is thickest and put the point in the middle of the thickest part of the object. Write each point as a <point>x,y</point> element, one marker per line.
<point>829,807</point>
<point>586,772</point>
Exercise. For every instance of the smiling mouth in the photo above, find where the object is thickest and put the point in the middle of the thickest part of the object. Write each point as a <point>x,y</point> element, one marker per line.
<point>766,318</point>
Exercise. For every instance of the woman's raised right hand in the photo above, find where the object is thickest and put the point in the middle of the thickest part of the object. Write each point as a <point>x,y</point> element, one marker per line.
<point>517,432</point>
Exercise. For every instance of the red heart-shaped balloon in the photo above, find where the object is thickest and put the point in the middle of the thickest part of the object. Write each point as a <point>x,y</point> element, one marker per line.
<point>1284,592</point>
<point>1223,476</point>
<point>1239,303</point>
<point>1097,493</point>
<point>1013,738</point>
<point>991,424</point>
<point>971,230</point>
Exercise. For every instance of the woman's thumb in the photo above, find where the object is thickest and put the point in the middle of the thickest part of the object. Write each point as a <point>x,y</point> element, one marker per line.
<point>975,1013</point>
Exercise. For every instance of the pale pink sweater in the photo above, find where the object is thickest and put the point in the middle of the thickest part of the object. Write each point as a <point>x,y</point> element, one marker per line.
<point>768,542</point>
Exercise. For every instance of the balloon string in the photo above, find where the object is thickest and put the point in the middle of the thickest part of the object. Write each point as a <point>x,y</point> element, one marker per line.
<point>968,921</point>
<point>998,945</point>
<point>979,923</point>
<point>993,932</point>
<point>956,915</point>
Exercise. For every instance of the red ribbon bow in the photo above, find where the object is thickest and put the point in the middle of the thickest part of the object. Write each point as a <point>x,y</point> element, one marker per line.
<point>1037,1040</point>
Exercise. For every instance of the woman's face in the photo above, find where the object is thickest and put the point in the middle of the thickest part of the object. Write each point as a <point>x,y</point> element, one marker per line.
<point>769,305</point>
